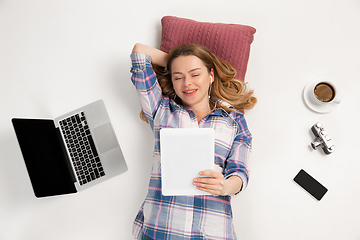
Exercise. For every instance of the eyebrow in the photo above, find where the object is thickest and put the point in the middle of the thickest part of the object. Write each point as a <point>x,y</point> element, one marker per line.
<point>192,70</point>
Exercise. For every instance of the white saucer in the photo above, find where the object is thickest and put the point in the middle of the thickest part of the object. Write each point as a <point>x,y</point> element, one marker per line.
<point>320,108</point>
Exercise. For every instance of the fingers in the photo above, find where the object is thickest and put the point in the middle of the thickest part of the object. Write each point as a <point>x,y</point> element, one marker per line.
<point>212,182</point>
<point>211,173</point>
<point>214,189</point>
<point>209,185</point>
<point>208,181</point>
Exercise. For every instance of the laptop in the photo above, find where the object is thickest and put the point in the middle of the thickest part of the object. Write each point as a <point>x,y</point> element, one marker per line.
<point>184,153</point>
<point>70,153</point>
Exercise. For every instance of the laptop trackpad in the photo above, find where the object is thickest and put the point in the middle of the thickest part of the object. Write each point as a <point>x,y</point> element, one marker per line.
<point>105,138</point>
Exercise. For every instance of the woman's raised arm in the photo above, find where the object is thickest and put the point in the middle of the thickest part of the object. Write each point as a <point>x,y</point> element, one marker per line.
<point>157,57</point>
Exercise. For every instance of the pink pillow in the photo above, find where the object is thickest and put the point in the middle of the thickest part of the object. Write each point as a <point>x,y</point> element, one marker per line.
<point>230,42</point>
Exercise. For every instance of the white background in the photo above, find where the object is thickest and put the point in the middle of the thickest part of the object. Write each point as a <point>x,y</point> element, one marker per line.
<point>49,50</point>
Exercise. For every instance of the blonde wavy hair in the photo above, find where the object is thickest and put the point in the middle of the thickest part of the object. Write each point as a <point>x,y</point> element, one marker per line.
<point>225,87</point>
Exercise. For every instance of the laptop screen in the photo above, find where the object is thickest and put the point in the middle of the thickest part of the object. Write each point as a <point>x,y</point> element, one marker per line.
<point>45,157</point>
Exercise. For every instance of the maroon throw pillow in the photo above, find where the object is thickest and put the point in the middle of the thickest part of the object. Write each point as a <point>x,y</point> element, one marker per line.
<point>230,42</point>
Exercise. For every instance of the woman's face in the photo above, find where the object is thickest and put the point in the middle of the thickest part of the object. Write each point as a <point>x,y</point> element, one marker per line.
<point>191,81</point>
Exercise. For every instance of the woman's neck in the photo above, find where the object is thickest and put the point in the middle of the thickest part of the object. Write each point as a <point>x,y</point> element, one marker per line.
<point>200,110</point>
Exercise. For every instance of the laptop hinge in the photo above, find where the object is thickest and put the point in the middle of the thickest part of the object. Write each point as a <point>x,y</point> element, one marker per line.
<point>63,149</point>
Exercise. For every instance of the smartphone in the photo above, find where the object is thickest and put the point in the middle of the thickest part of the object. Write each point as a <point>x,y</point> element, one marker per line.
<point>310,184</point>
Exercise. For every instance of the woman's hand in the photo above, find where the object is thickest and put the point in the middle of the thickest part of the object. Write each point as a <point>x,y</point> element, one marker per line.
<point>214,183</point>
<point>157,57</point>
<point>211,182</point>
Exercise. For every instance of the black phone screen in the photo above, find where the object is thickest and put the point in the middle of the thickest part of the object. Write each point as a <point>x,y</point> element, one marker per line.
<point>310,184</point>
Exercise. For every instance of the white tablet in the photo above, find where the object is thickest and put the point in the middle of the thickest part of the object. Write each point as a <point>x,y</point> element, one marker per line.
<point>184,153</point>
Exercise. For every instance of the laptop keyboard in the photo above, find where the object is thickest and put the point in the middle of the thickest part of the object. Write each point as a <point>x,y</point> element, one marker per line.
<point>81,147</point>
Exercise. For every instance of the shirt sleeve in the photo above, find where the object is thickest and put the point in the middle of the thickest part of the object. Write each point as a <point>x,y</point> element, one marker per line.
<point>237,162</point>
<point>145,81</point>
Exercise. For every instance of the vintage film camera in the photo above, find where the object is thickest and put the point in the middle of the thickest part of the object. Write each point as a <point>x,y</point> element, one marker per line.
<point>322,139</point>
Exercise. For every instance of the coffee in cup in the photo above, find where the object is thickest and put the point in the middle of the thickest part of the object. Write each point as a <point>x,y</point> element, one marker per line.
<point>325,92</point>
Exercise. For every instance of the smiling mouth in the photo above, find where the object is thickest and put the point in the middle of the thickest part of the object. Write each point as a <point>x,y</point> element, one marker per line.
<point>190,91</point>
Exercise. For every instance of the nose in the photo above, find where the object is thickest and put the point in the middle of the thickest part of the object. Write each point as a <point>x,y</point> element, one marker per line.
<point>187,81</point>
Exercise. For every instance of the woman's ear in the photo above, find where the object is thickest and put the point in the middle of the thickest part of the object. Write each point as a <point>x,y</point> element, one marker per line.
<point>212,75</point>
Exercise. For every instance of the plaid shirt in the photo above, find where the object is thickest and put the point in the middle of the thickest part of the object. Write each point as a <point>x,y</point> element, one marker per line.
<point>188,217</point>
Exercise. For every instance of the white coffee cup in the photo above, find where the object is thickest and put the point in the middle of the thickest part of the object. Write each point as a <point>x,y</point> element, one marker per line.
<point>324,92</point>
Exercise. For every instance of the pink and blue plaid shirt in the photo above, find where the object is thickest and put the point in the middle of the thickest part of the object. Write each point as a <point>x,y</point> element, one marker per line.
<point>188,217</point>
